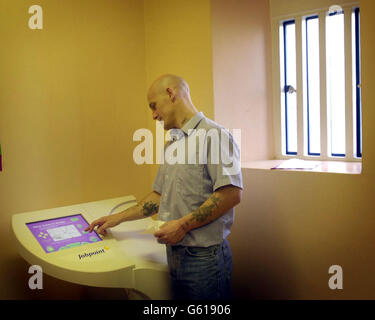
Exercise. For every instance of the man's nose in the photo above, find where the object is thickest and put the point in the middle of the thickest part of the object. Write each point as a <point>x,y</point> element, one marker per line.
<point>154,115</point>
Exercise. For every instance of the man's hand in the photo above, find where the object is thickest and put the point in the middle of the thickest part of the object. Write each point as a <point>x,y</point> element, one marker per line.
<point>104,223</point>
<point>170,232</point>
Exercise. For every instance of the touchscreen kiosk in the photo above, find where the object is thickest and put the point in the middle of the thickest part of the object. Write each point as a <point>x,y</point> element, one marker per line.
<point>127,257</point>
<point>56,240</point>
<point>62,233</point>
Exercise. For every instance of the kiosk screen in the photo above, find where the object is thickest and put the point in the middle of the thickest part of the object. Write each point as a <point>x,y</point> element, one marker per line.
<point>62,233</point>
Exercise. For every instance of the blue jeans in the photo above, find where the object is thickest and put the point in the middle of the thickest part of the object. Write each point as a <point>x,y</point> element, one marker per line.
<point>199,273</point>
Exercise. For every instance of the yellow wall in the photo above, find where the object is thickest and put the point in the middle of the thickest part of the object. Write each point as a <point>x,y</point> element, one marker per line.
<point>71,97</point>
<point>178,41</point>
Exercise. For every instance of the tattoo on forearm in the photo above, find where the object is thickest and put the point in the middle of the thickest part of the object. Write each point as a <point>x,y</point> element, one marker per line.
<point>202,213</point>
<point>149,208</point>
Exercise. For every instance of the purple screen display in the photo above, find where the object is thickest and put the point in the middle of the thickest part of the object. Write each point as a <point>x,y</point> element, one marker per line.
<point>62,233</point>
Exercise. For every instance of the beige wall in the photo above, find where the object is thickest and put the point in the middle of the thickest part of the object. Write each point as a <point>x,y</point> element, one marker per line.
<point>292,226</point>
<point>71,96</point>
<point>368,90</point>
<point>241,48</point>
<point>281,8</point>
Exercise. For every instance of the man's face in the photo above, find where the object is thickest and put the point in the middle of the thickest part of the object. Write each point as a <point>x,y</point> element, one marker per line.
<point>162,110</point>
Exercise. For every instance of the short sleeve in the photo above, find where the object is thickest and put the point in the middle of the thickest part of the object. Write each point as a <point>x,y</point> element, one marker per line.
<point>223,161</point>
<point>158,182</point>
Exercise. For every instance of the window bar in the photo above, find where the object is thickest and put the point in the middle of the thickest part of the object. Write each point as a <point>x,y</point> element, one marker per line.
<point>331,133</point>
<point>300,115</point>
<point>358,86</point>
<point>309,152</point>
<point>286,87</point>
<point>323,87</point>
<point>349,151</point>
<point>277,85</point>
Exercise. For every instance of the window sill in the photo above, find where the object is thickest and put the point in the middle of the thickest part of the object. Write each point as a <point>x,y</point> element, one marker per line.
<point>322,166</point>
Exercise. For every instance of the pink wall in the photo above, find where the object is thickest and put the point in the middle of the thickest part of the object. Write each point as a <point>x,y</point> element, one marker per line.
<point>241,45</point>
<point>290,227</point>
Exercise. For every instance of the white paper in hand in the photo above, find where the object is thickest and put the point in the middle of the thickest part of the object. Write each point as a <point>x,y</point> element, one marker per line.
<point>153,226</point>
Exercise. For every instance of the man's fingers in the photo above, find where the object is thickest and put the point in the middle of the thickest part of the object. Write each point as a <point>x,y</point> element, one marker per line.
<point>161,237</point>
<point>102,229</point>
<point>160,232</point>
<point>90,227</point>
<point>95,223</point>
<point>162,240</point>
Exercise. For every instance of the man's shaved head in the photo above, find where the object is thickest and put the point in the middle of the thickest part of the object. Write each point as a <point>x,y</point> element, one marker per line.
<point>170,102</point>
<point>161,84</point>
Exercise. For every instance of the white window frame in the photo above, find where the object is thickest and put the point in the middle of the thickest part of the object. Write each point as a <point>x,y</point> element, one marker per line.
<point>279,120</point>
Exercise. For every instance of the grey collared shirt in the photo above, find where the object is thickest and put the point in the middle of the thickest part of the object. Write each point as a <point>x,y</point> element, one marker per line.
<point>199,159</point>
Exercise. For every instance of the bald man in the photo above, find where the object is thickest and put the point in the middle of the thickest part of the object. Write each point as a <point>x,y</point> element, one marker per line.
<point>195,197</point>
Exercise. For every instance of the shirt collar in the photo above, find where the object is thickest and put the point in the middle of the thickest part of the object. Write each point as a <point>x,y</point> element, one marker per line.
<point>192,123</point>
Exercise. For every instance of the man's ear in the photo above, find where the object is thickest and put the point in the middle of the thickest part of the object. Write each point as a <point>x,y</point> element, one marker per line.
<point>171,94</point>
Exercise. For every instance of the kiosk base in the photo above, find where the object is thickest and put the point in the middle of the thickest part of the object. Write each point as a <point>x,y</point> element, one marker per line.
<point>126,258</point>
